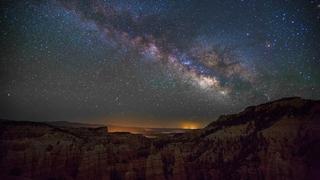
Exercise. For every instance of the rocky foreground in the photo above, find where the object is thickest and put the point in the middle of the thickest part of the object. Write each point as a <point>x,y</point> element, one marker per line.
<point>276,140</point>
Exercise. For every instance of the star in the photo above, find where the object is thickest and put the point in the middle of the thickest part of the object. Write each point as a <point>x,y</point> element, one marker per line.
<point>166,59</point>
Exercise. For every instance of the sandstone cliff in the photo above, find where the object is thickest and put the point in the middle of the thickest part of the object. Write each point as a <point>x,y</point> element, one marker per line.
<point>276,140</point>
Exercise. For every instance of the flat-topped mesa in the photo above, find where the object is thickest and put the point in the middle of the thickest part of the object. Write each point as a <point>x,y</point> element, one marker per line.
<point>101,130</point>
<point>81,129</point>
<point>85,132</point>
<point>38,129</point>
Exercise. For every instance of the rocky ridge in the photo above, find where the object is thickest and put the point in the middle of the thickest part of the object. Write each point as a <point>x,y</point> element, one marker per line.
<point>276,140</point>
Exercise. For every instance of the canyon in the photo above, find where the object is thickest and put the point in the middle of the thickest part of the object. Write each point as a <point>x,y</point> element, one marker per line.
<point>275,140</point>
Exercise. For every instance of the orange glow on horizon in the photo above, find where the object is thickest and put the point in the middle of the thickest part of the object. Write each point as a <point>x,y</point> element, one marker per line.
<point>135,123</point>
<point>190,125</point>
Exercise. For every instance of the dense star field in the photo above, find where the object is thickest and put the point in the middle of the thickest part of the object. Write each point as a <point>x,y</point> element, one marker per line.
<point>161,61</point>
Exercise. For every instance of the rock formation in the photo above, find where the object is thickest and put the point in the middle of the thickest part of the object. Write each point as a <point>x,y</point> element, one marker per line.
<point>276,140</point>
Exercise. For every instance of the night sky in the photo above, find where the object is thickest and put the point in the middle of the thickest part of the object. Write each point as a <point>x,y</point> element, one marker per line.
<point>154,63</point>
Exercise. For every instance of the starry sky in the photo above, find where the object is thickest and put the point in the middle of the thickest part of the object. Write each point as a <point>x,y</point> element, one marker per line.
<point>154,63</point>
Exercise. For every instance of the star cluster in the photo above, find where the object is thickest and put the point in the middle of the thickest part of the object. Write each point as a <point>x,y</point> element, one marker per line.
<point>161,60</point>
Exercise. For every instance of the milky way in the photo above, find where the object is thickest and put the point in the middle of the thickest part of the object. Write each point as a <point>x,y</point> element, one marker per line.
<point>82,60</point>
<point>202,66</point>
